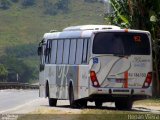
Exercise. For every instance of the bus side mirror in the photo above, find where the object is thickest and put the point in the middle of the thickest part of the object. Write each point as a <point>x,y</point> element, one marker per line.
<point>39,51</point>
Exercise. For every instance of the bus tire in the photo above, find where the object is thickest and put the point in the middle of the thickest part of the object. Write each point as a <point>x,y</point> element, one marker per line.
<point>52,102</point>
<point>47,89</point>
<point>124,105</point>
<point>75,103</point>
<point>98,104</point>
<point>71,96</point>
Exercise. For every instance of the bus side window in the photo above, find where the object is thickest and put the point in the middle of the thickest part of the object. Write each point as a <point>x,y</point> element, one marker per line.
<point>48,52</point>
<point>85,50</point>
<point>54,51</point>
<point>43,56</point>
<point>45,53</point>
<point>66,51</point>
<point>60,52</point>
<point>72,51</point>
<point>79,51</point>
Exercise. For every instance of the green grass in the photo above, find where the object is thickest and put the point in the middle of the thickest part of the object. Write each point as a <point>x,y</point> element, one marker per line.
<point>24,26</point>
<point>96,114</point>
<point>27,25</point>
<point>149,102</point>
<point>87,114</point>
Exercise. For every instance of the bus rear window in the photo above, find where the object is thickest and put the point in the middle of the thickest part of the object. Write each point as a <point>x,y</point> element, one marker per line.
<point>121,43</point>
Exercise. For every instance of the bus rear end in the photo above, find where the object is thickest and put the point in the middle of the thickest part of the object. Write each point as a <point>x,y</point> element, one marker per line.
<point>121,67</point>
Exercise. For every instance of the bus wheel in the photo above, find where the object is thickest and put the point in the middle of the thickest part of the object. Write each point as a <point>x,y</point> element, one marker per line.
<point>52,102</point>
<point>125,105</point>
<point>71,96</point>
<point>98,104</point>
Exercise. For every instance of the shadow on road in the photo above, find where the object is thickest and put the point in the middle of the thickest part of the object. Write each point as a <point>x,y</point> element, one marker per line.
<point>134,109</point>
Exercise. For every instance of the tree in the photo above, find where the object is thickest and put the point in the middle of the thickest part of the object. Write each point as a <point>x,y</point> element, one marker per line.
<point>54,9</point>
<point>144,15</point>
<point>5,4</point>
<point>3,73</point>
<point>90,1</point>
<point>14,65</point>
<point>15,1</point>
<point>28,2</point>
<point>63,5</point>
<point>50,8</point>
<point>21,60</point>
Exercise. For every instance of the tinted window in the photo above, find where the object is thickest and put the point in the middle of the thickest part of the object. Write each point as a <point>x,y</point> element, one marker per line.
<point>60,52</point>
<point>47,52</point>
<point>72,56</point>
<point>79,51</point>
<point>53,51</point>
<point>121,43</point>
<point>66,51</point>
<point>85,50</point>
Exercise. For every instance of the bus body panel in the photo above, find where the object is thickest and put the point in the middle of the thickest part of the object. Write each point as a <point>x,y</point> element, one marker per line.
<point>117,74</point>
<point>83,81</point>
<point>59,77</point>
<point>111,68</point>
<point>122,74</point>
<point>42,84</point>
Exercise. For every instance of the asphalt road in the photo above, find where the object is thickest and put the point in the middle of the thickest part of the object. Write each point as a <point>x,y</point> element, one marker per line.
<point>27,101</point>
<point>10,99</point>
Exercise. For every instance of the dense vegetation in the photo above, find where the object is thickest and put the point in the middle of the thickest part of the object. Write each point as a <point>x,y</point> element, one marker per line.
<point>23,23</point>
<point>144,15</point>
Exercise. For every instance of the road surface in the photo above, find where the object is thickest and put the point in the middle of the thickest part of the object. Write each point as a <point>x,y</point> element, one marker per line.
<point>27,101</point>
<point>11,99</point>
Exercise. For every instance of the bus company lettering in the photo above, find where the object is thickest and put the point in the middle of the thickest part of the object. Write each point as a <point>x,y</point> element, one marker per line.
<point>137,74</point>
<point>140,59</point>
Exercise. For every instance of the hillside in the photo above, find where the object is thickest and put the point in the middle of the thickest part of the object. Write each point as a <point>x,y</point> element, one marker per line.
<point>26,25</point>
<point>22,26</point>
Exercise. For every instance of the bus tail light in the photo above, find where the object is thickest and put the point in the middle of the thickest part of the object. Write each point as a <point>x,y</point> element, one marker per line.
<point>148,80</point>
<point>126,30</point>
<point>94,79</point>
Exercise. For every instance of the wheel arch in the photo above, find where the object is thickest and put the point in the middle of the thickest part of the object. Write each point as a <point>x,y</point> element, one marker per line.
<point>70,83</point>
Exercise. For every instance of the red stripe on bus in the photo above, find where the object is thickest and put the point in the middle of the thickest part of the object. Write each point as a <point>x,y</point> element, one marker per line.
<point>126,79</point>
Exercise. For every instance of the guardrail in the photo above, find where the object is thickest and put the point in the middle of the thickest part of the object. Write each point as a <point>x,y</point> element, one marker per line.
<point>17,85</point>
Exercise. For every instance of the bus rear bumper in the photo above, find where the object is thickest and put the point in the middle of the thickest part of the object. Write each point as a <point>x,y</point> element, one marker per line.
<point>135,93</point>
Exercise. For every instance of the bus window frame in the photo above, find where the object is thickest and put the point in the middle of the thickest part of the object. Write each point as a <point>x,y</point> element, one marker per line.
<point>49,41</point>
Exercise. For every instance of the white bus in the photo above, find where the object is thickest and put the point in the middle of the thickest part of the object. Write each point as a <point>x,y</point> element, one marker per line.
<point>96,63</point>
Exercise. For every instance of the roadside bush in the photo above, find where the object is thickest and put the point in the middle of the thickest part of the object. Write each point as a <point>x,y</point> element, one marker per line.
<point>3,73</point>
<point>5,4</point>
<point>28,2</point>
<point>15,1</point>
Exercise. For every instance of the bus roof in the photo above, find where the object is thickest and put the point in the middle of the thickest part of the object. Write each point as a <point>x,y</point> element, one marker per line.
<point>78,31</point>
<point>90,27</point>
<point>84,31</point>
